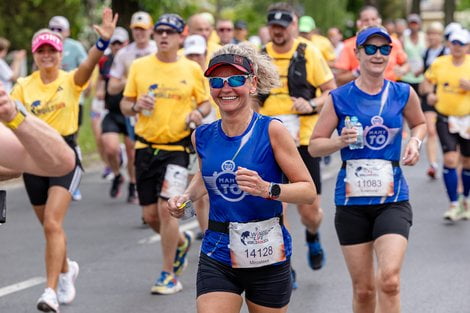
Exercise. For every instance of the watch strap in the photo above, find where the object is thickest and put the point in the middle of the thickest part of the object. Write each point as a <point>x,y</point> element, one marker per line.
<point>16,121</point>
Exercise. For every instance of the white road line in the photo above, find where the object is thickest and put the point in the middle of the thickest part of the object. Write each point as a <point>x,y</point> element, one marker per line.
<point>157,238</point>
<point>22,285</point>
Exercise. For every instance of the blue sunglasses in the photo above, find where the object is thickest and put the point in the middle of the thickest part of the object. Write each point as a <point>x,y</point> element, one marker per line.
<point>372,49</point>
<point>232,81</point>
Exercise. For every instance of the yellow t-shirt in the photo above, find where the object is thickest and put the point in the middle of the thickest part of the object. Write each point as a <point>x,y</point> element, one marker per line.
<point>325,46</point>
<point>451,99</point>
<point>55,103</point>
<point>178,83</point>
<point>279,101</point>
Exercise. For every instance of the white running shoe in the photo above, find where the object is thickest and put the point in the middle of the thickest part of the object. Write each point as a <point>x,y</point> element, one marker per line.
<point>454,213</point>
<point>66,287</point>
<point>48,301</point>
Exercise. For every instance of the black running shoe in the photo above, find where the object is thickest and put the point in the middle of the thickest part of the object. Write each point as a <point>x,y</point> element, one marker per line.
<point>116,186</point>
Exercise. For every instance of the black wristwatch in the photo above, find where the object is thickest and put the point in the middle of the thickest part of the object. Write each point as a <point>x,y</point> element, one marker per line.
<point>274,191</point>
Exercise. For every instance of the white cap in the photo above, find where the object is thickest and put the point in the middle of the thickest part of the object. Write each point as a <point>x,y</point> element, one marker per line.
<point>141,19</point>
<point>194,44</point>
<point>60,22</point>
<point>460,35</point>
<point>120,34</point>
<point>451,28</point>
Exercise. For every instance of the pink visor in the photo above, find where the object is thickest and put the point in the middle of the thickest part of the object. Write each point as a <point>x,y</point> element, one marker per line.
<point>47,39</point>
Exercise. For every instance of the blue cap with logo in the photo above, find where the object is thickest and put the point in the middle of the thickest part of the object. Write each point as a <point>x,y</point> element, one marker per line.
<point>364,35</point>
<point>173,20</point>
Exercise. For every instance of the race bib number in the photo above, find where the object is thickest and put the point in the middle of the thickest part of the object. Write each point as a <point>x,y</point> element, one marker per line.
<point>176,178</point>
<point>256,244</point>
<point>460,125</point>
<point>369,178</point>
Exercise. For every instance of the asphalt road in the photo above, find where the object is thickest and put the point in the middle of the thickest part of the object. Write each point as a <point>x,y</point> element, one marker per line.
<point>119,258</point>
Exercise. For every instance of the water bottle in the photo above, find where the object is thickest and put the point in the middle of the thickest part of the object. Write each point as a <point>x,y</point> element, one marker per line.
<point>151,93</point>
<point>359,144</point>
<point>188,208</point>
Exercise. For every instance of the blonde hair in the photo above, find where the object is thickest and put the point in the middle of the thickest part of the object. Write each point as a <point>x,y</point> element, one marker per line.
<point>4,44</point>
<point>263,68</point>
<point>435,27</point>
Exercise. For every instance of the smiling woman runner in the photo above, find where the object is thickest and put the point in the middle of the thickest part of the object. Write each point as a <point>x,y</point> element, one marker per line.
<point>373,215</point>
<point>53,95</point>
<point>242,159</point>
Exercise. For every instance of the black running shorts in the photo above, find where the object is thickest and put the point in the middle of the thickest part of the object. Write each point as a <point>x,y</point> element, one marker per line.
<point>269,286</point>
<point>357,224</point>
<point>313,166</point>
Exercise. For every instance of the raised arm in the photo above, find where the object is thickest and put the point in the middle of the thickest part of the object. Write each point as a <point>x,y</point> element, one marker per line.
<point>105,31</point>
<point>30,145</point>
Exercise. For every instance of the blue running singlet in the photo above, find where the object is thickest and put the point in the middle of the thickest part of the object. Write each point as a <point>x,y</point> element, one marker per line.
<point>382,120</point>
<point>220,157</point>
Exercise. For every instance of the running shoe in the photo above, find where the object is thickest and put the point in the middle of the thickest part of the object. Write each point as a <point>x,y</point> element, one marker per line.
<point>107,173</point>
<point>432,171</point>
<point>77,195</point>
<point>48,301</point>
<point>294,279</point>
<point>66,288</point>
<point>465,205</point>
<point>454,213</point>
<point>315,254</point>
<point>132,195</point>
<point>167,284</point>
<point>181,260</point>
<point>116,186</point>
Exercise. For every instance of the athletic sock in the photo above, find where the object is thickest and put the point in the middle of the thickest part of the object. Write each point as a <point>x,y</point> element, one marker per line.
<point>466,182</point>
<point>450,180</point>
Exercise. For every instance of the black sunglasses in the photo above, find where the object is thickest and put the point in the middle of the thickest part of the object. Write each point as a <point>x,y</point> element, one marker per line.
<point>56,29</point>
<point>372,49</point>
<point>168,31</point>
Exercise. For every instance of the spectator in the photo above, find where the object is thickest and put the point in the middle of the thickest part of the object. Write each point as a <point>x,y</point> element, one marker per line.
<point>9,74</point>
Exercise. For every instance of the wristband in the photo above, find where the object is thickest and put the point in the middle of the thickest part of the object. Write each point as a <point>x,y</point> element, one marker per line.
<point>102,44</point>
<point>419,141</point>
<point>200,112</point>
<point>133,108</point>
<point>16,121</point>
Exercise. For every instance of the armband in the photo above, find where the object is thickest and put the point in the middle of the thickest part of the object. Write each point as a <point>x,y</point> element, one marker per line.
<point>102,44</point>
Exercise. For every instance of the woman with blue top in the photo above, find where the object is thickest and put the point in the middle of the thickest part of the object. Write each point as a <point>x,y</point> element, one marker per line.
<point>243,157</point>
<point>373,214</point>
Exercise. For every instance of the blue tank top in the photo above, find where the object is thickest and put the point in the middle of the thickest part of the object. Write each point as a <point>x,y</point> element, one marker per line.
<point>382,120</point>
<point>220,157</point>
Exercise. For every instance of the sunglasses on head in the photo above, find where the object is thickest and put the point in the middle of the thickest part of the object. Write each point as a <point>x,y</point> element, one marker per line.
<point>56,29</point>
<point>372,49</point>
<point>232,81</point>
<point>168,31</point>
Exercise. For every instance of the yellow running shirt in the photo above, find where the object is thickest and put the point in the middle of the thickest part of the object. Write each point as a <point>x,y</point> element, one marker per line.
<point>279,101</point>
<point>55,103</point>
<point>451,99</point>
<point>180,86</point>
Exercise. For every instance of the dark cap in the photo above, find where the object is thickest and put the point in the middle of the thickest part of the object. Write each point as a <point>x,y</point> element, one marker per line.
<point>237,61</point>
<point>367,33</point>
<point>281,18</point>
<point>240,25</point>
<point>173,20</point>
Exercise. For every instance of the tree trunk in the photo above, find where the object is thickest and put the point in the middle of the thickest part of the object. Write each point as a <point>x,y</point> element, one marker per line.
<point>416,7</point>
<point>125,10</point>
<point>449,10</point>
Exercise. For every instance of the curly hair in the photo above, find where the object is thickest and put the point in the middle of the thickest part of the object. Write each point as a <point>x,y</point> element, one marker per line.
<point>263,68</point>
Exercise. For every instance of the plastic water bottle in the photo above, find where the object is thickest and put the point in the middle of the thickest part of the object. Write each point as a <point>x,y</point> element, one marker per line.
<point>359,144</point>
<point>189,210</point>
<point>151,93</point>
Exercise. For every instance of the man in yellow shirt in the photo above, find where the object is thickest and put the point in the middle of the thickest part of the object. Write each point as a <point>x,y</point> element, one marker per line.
<point>451,75</point>
<point>167,93</point>
<point>307,28</point>
<point>294,98</point>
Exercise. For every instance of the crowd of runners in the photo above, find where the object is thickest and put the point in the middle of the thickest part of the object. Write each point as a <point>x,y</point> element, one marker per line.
<point>207,120</point>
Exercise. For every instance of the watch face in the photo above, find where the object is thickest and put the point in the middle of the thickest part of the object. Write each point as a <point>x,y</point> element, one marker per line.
<point>275,190</point>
